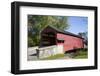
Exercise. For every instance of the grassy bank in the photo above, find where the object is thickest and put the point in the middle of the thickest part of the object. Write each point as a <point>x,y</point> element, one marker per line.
<point>81,54</point>
<point>57,56</point>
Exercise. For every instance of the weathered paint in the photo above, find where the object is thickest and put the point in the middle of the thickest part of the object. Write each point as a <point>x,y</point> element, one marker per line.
<point>70,42</point>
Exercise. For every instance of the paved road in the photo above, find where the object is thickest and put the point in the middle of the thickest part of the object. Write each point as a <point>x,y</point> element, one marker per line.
<point>32,54</point>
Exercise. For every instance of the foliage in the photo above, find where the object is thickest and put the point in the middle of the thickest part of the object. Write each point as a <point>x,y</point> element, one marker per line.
<point>85,36</point>
<point>57,56</point>
<point>81,54</point>
<point>78,54</point>
<point>30,42</point>
<point>38,22</point>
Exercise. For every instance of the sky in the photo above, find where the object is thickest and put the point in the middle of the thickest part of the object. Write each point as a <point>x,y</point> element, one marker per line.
<point>77,24</point>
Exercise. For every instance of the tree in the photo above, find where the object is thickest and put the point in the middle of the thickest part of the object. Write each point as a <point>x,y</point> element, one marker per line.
<point>38,22</point>
<point>85,36</point>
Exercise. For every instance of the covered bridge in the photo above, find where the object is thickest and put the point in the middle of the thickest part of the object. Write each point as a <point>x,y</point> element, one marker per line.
<point>53,36</point>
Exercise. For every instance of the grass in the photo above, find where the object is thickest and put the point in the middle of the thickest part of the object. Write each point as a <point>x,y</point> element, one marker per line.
<point>81,54</point>
<point>57,56</point>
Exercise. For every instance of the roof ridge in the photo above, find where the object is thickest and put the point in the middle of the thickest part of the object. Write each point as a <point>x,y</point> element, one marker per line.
<point>63,31</point>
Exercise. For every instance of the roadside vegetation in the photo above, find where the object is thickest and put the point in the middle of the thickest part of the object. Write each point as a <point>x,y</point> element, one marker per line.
<point>79,54</point>
<point>57,56</point>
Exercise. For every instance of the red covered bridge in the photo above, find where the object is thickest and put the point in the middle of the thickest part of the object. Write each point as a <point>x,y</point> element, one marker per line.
<point>53,36</point>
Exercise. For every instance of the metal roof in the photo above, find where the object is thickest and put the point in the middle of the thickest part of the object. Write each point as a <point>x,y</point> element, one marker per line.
<point>63,32</point>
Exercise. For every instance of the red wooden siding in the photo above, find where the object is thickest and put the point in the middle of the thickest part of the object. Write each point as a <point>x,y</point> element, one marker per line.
<point>70,42</point>
<point>51,36</point>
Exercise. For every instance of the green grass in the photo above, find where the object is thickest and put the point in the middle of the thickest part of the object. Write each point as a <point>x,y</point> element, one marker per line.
<point>81,55</point>
<point>57,56</point>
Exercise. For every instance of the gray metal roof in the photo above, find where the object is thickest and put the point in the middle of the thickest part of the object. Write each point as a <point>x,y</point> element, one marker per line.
<point>64,32</point>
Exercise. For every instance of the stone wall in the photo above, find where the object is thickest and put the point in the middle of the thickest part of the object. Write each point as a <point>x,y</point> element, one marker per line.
<point>50,50</point>
<point>44,51</point>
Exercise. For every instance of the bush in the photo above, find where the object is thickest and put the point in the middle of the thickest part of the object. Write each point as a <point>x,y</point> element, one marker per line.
<point>30,42</point>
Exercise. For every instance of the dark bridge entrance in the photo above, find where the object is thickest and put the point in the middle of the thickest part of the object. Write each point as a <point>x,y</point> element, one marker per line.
<point>48,39</point>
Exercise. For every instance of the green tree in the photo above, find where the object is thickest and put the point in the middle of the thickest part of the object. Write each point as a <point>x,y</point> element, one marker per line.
<point>38,22</point>
<point>85,36</point>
